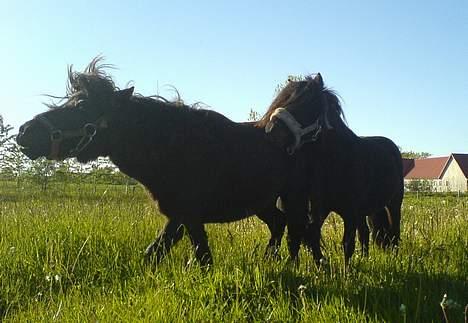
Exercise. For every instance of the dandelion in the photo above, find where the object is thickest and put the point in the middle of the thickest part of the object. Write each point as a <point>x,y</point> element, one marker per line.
<point>302,289</point>
<point>57,278</point>
<point>38,296</point>
<point>443,305</point>
<point>444,299</point>
<point>403,309</point>
<point>47,278</point>
<point>448,303</point>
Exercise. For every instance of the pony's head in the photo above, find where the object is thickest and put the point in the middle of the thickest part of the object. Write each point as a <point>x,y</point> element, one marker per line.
<point>301,112</point>
<point>385,232</point>
<point>78,126</point>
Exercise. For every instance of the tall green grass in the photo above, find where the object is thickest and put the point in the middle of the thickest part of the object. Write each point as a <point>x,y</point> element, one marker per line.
<point>74,253</point>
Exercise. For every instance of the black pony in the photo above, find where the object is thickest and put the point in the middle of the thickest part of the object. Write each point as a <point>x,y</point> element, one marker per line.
<point>200,166</point>
<point>351,175</point>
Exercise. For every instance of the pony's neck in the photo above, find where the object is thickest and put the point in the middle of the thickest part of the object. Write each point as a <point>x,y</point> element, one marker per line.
<point>134,129</point>
<point>336,120</point>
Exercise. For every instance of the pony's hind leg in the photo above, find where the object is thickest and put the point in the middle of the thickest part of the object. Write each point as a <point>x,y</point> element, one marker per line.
<point>276,222</point>
<point>363,234</point>
<point>394,209</point>
<point>349,238</point>
<point>170,235</point>
<point>199,241</point>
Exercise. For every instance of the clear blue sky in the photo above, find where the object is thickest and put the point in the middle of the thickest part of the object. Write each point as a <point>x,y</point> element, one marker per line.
<point>401,67</point>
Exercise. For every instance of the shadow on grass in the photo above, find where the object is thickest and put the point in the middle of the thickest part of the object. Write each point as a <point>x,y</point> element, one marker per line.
<point>396,295</point>
<point>379,299</point>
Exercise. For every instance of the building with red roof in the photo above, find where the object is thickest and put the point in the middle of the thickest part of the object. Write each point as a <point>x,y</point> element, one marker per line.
<point>438,174</point>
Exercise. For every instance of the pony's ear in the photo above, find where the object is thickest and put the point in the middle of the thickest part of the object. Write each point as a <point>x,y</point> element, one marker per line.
<point>319,80</point>
<point>121,97</point>
<point>124,95</point>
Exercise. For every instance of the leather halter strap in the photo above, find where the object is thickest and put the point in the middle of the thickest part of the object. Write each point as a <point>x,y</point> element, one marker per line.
<point>298,131</point>
<point>302,134</point>
<point>85,133</point>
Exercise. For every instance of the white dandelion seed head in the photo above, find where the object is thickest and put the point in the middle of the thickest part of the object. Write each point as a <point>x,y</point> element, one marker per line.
<point>403,308</point>
<point>302,288</point>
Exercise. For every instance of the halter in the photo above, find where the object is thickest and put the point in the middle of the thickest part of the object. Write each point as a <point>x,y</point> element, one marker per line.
<point>86,133</point>
<point>296,129</point>
<point>301,134</point>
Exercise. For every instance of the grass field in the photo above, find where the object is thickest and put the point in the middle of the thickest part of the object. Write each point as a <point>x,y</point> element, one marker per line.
<point>74,253</point>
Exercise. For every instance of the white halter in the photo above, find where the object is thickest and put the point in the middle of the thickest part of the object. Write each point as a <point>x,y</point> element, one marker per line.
<point>296,128</point>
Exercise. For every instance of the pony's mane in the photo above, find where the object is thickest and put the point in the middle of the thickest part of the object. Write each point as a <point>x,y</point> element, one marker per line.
<point>94,81</point>
<point>295,90</point>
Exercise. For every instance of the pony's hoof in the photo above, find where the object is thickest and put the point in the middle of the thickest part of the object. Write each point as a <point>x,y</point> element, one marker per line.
<point>148,256</point>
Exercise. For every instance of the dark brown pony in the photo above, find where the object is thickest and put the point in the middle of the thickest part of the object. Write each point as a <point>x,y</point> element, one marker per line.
<point>200,166</point>
<point>351,175</point>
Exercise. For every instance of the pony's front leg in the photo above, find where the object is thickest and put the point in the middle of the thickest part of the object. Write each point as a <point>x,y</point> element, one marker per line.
<point>363,234</point>
<point>170,235</point>
<point>349,237</point>
<point>199,241</point>
<point>295,207</point>
<point>276,222</point>
<point>313,233</point>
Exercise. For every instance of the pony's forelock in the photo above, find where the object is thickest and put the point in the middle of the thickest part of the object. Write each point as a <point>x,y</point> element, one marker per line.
<point>294,90</point>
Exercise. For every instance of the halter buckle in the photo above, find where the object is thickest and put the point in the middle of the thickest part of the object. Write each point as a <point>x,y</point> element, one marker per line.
<point>90,130</point>
<point>56,136</point>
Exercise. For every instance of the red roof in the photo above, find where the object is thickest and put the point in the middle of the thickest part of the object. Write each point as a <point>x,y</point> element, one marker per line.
<point>432,168</point>
<point>462,161</point>
<point>427,168</point>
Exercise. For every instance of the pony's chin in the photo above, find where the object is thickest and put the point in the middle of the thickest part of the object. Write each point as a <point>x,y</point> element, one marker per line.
<point>31,153</point>
<point>86,158</point>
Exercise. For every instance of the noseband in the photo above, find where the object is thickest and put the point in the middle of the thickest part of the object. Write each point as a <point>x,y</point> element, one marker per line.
<point>85,133</point>
<point>301,134</point>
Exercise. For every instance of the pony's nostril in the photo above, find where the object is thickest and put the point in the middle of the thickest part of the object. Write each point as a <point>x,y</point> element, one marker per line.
<point>21,130</point>
<point>18,138</point>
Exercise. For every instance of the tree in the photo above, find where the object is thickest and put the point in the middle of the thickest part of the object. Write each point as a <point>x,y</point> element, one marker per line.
<point>4,132</point>
<point>294,78</point>
<point>12,160</point>
<point>419,185</point>
<point>41,171</point>
<point>414,155</point>
<point>253,115</point>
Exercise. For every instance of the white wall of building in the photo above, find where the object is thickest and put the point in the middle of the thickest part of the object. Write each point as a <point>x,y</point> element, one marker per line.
<point>454,177</point>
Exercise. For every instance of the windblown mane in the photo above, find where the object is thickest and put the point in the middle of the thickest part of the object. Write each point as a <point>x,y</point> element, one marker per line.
<point>95,81</point>
<point>296,90</point>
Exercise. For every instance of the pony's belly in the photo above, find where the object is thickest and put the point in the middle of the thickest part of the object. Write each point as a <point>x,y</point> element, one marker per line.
<point>211,213</point>
<point>227,216</point>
